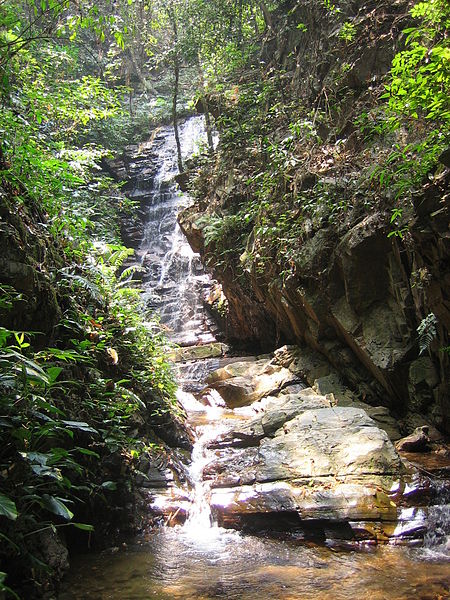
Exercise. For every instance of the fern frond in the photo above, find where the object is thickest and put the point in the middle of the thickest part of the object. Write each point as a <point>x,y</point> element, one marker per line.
<point>129,271</point>
<point>89,286</point>
<point>427,332</point>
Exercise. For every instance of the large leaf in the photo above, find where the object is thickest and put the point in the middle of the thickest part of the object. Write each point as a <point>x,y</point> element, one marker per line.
<point>8,508</point>
<point>109,485</point>
<point>56,506</point>
<point>53,373</point>
<point>20,364</point>
<point>36,457</point>
<point>87,452</point>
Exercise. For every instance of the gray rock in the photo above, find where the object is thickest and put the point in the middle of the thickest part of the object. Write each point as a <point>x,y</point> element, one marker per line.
<point>323,463</point>
<point>243,383</point>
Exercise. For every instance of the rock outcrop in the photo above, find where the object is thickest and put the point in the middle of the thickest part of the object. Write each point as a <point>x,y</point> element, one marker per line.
<point>298,457</point>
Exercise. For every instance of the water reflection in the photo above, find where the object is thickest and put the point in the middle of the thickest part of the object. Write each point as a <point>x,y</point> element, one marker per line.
<point>171,564</point>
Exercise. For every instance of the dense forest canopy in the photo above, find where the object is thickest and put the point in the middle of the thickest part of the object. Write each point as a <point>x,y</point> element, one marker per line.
<point>82,378</point>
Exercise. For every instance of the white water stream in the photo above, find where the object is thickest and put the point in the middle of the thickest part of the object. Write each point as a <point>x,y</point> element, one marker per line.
<point>174,279</point>
<point>174,285</point>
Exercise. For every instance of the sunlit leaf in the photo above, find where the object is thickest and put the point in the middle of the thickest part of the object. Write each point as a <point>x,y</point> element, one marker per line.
<point>8,508</point>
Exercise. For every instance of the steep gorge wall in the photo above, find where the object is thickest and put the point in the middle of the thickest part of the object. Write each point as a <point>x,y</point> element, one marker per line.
<point>355,295</point>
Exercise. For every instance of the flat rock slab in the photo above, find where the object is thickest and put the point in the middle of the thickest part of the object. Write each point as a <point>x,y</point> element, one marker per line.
<point>316,458</point>
<point>201,351</point>
<point>323,463</point>
<point>326,500</point>
<point>276,412</point>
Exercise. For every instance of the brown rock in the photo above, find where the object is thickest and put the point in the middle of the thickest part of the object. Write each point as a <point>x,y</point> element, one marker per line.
<point>416,442</point>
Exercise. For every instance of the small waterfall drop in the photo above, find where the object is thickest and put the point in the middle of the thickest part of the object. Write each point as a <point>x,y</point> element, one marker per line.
<point>200,518</point>
<point>436,542</point>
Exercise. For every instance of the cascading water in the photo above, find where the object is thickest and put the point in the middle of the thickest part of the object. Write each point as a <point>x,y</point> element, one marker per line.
<point>437,539</point>
<point>200,518</point>
<point>173,280</point>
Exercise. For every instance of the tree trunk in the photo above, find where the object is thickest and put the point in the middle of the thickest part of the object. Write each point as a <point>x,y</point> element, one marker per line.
<point>176,70</point>
<point>148,87</point>
<point>175,113</point>
<point>240,35</point>
<point>205,107</point>
<point>267,15</point>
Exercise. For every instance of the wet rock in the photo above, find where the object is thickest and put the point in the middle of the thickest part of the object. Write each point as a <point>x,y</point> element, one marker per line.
<point>323,501</point>
<point>54,552</point>
<point>276,412</point>
<point>285,408</point>
<point>243,383</point>
<point>167,507</point>
<point>237,391</point>
<point>324,379</point>
<point>416,442</point>
<point>356,299</point>
<point>201,351</point>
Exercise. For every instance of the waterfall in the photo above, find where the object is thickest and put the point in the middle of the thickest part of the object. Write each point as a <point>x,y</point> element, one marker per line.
<point>174,281</point>
<point>199,559</point>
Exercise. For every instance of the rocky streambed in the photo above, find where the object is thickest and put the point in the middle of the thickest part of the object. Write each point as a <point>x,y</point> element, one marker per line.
<point>283,442</point>
<point>294,487</point>
<point>280,455</point>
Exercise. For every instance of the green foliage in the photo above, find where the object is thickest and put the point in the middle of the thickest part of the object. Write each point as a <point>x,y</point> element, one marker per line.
<point>417,115</point>
<point>99,387</point>
<point>395,222</point>
<point>421,73</point>
<point>64,409</point>
<point>8,508</point>
<point>347,32</point>
<point>330,6</point>
<point>41,118</point>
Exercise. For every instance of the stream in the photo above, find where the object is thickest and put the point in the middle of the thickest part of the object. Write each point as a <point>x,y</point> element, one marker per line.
<point>199,559</point>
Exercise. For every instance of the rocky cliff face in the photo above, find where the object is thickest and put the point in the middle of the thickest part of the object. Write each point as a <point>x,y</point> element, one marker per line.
<point>27,258</point>
<point>330,277</point>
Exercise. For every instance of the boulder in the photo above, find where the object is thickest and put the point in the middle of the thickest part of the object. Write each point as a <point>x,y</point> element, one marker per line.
<point>243,383</point>
<point>321,442</point>
<point>416,442</point>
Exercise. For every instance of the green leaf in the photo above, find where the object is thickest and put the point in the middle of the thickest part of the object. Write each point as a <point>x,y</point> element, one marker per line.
<point>4,588</point>
<point>36,457</point>
<point>81,425</point>
<point>53,373</point>
<point>8,508</point>
<point>87,452</point>
<point>57,507</point>
<point>109,485</point>
<point>83,526</point>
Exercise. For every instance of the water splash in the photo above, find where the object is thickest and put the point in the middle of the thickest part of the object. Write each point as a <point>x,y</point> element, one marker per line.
<point>436,543</point>
<point>208,423</point>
